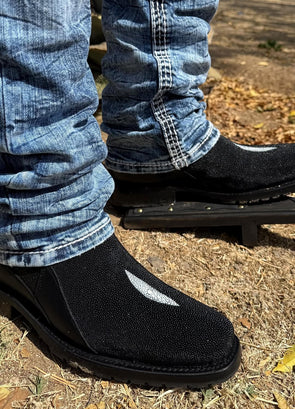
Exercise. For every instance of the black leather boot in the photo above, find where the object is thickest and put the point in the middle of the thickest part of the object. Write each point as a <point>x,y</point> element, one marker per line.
<point>103,312</point>
<point>229,173</point>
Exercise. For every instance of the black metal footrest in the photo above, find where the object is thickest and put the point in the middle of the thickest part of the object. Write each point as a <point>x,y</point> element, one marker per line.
<point>197,214</point>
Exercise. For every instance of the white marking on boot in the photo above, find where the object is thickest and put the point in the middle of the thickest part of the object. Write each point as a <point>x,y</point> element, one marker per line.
<point>256,148</point>
<point>150,292</point>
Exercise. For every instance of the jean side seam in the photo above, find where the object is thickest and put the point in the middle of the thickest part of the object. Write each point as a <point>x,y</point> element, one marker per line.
<point>4,130</point>
<point>61,246</point>
<point>160,53</point>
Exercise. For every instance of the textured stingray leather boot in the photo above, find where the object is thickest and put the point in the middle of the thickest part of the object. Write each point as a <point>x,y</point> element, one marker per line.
<point>229,173</point>
<point>103,312</point>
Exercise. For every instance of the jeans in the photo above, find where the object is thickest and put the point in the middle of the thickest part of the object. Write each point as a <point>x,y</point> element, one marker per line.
<point>53,186</point>
<point>152,108</point>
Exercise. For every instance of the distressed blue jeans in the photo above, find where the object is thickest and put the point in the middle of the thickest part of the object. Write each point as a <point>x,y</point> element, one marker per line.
<point>53,186</point>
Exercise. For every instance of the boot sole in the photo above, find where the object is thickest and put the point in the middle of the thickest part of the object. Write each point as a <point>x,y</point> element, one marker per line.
<point>128,195</point>
<point>121,370</point>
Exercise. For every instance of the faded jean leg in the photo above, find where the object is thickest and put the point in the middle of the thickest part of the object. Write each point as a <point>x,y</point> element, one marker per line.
<point>153,109</point>
<point>53,187</point>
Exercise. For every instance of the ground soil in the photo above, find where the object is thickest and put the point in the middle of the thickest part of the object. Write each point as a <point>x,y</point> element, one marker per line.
<point>240,26</point>
<point>250,96</point>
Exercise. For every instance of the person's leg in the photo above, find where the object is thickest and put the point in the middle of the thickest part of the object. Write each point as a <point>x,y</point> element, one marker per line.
<point>53,185</point>
<point>153,109</point>
<point>154,114</point>
<point>62,268</point>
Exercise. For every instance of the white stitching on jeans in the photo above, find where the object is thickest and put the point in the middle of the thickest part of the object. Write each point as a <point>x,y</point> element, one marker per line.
<point>160,51</point>
<point>59,247</point>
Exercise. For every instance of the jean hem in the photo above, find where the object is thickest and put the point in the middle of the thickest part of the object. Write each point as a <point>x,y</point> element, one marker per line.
<point>197,152</point>
<point>61,252</point>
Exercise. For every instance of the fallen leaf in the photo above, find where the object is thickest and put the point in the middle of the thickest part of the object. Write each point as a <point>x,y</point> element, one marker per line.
<point>4,392</point>
<point>282,403</point>
<point>105,384</point>
<point>245,322</point>
<point>17,395</point>
<point>291,117</point>
<point>253,93</point>
<point>25,353</point>
<point>258,126</point>
<point>287,363</point>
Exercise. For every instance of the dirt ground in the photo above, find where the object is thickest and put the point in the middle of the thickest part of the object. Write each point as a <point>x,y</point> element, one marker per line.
<point>250,96</point>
